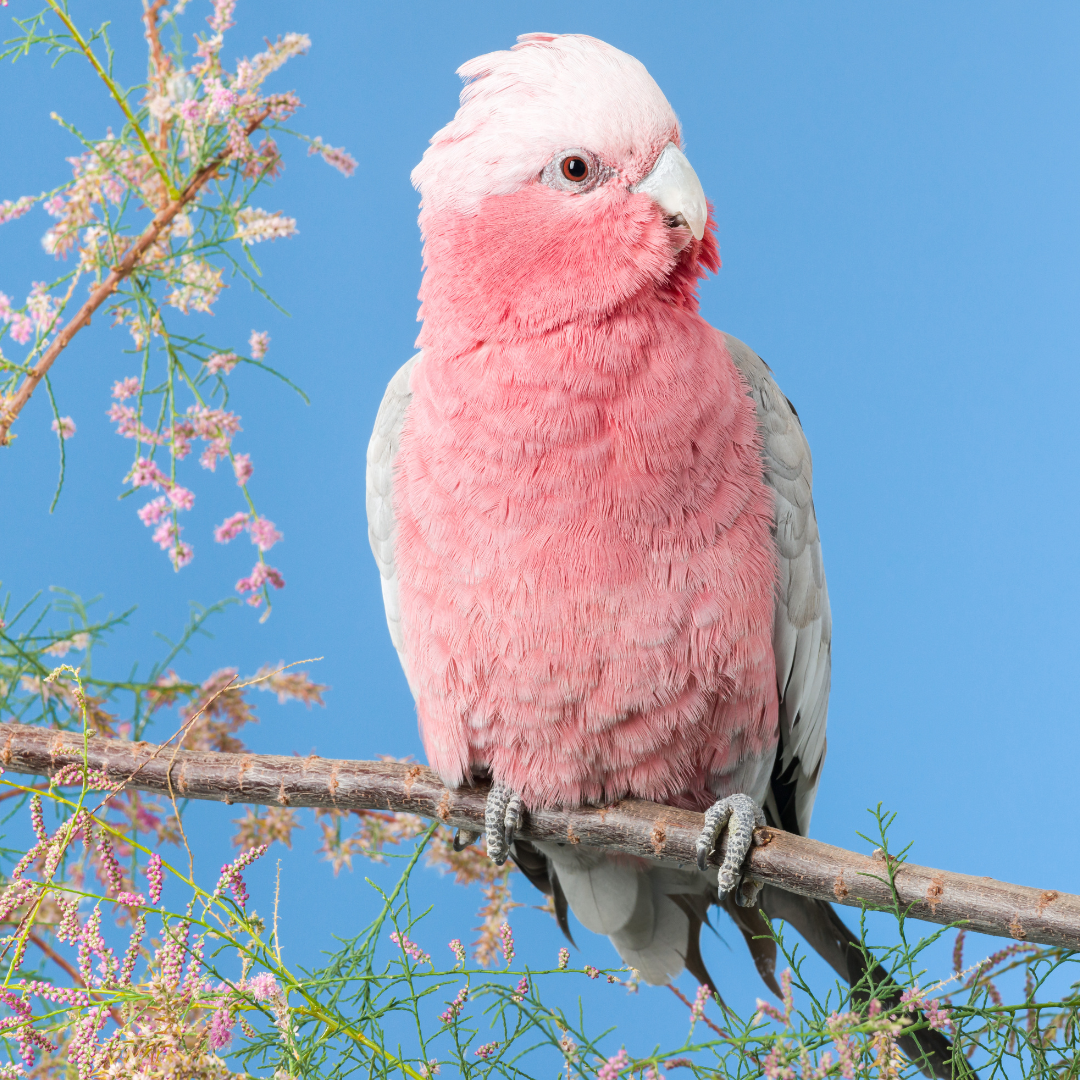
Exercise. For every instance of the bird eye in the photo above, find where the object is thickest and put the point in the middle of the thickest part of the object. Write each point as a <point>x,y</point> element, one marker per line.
<point>574,171</point>
<point>575,168</point>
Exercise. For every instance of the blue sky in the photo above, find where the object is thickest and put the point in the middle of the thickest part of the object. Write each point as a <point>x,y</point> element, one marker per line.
<point>898,219</point>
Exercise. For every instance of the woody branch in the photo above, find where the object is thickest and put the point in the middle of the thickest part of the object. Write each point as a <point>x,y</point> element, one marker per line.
<point>647,830</point>
<point>123,269</point>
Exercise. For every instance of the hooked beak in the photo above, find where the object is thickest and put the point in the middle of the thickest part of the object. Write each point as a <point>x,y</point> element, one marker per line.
<point>674,187</point>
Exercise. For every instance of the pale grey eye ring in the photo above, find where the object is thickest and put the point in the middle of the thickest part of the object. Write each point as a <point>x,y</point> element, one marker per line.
<point>574,171</point>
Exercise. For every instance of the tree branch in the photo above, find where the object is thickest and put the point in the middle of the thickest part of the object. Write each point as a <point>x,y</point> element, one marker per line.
<point>162,219</point>
<point>647,830</point>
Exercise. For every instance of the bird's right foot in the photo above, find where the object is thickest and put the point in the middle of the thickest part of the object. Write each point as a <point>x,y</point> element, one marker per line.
<point>502,815</point>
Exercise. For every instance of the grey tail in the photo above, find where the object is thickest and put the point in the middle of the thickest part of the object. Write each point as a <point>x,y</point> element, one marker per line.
<point>829,936</point>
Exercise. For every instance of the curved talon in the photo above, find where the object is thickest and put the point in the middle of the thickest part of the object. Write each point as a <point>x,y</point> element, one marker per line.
<point>502,815</point>
<point>463,838</point>
<point>739,814</point>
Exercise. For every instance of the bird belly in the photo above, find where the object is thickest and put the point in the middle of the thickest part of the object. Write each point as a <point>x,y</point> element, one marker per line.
<point>587,575</point>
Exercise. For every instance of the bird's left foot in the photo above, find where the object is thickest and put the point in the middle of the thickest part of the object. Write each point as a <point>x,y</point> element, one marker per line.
<point>502,815</point>
<point>740,815</point>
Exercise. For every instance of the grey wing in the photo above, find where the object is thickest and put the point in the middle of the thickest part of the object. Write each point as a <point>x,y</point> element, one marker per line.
<point>802,628</point>
<point>382,528</point>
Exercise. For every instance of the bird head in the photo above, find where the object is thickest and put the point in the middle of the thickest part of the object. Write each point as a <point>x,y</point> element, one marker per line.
<point>557,194</point>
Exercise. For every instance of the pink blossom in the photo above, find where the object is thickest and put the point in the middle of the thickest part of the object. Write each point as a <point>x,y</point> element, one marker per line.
<point>64,427</point>
<point>254,600</point>
<point>263,533</point>
<point>454,1007</point>
<point>486,1051</point>
<point>221,1025</point>
<point>181,555</point>
<point>336,156</point>
<point>458,950</point>
<point>54,206</point>
<point>592,972</point>
<point>131,899</point>
<point>259,342</point>
<point>613,1066</point>
<point>145,473</point>
<point>9,210</point>
<point>522,989</point>
<point>260,575</point>
<point>222,362</point>
<point>231,528</point>
<point>697,1010</point>
<point>154,511</point>
<point>190,110</point>
<point>410,948</point>
<point>243,468</point>
<point>155,877</point>
<point>222,99</point>
<point>181,497</point>
<point>507,936</point>
<point>125,388</point>
<point>22,329</point>
<point>42,306</point>
<point>166,534</point>
<point>564,958</point>
<point>216,448</point>
<point>221,20</point>
<point>263,987</point>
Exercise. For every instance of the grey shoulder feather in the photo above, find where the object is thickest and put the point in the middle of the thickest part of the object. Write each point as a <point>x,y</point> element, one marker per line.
<point>802,628</point>
<point>382,528</point>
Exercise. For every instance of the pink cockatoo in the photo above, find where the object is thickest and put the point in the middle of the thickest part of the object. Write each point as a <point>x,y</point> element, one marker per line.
<point>592,511</point>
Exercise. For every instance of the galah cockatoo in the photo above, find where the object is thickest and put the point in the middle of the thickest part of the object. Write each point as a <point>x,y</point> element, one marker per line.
<point>592,512</point>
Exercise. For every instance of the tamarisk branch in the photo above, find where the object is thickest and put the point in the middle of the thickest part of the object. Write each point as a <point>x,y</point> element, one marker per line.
<point>127,265</point>
<point>633,827</point>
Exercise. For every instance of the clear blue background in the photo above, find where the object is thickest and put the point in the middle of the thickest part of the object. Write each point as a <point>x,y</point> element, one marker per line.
<point>895,186</point>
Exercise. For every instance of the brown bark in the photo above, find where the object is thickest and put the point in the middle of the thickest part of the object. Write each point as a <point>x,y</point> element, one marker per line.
<point>794,863</point>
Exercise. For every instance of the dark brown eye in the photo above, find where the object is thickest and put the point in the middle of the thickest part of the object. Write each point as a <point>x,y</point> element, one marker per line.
<point>575,168</point>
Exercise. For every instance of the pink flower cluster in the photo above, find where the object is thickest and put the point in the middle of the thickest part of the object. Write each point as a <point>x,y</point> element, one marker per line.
<point>613,1066</point>
<point>260,576</point>
<point>697,1010</point>
<point>458,950</point>
<point>521,991</point>
<point>145,473</point>
<point>22,326</point>
<point>221,363</point>
<point>564,958</point>
<point>64,427</point>
<point>231,877</point>
<point>410,948</point>
<point>10,210</point>
<point>453,1008</point>
<point>506,935</point>
<point>259,342</point>
<point>938,1018</point>
<point>486,1051</point>
<point>336,156</point>
<point>263,987</point>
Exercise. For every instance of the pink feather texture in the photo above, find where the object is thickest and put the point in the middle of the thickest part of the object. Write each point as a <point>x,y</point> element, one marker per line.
<point>586,566</point>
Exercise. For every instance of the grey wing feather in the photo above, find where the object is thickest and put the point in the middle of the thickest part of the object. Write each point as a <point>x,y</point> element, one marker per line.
<point>802,629</point>
<point>382,528</point>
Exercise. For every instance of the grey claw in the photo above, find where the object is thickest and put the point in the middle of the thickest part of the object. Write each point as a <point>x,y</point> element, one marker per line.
<point>739,814</point>
<point>463,838</point>
<point>502,815</point>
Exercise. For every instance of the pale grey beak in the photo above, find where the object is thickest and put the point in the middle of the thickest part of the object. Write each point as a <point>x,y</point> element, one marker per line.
<point>674,187</point>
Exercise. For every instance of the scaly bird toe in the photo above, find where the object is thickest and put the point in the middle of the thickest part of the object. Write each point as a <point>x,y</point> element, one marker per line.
<point>740,815</point>
<point>502,815</point>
